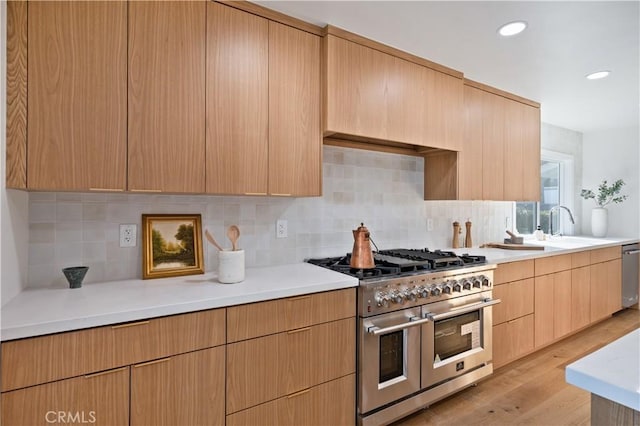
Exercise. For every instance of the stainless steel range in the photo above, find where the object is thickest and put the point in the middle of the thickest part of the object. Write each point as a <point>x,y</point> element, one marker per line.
<point>424,329</point>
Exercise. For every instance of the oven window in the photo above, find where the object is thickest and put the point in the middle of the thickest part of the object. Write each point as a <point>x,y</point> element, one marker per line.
<point>391,356</point>
<point>456,335</point>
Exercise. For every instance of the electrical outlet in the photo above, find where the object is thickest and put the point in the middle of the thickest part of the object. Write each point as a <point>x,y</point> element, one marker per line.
<point>282,230</point>
<point>128,235</point>
<point>429,224</point>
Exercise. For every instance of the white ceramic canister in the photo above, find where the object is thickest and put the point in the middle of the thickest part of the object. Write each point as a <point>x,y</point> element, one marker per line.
<point>230,266</point>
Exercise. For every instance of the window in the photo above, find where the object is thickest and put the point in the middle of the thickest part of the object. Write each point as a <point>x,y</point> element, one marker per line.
<point>556,188</point>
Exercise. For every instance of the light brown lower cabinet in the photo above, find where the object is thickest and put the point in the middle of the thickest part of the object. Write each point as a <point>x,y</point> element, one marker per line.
<point>606,288</point>
<point>97,399</point>
<point>331,403</point>
<point>552,307</point>
<point>270,367</point>
<point>512,339</point>
<point>185,389</point>
<point>580,297</point>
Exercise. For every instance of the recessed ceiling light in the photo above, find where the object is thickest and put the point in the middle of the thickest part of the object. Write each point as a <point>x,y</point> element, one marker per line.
<point>598,75</point>
<point>512,28</point>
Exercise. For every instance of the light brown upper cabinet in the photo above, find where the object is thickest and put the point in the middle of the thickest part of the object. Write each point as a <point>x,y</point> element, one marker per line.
<point>500,156</point>
<point>375,96</point>
<point>295,143</point>
<point>237,101</point>
<point>263,106</point>
<point>167,48</point>
<point>77,97</point>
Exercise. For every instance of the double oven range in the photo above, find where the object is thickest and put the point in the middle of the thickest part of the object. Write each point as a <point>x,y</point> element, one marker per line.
<point>424,328</point>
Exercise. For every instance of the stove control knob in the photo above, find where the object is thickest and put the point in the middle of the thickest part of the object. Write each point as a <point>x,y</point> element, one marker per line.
<point>423,292</point>
<point>382,300</point>
<point>435,291</point>
<point>466,285</point>
<point>446,289</point>
<point>477,283</point>
<point>410,294</point>
<point>397,297</point>
<point>457,287</point>
<point>485,281</point>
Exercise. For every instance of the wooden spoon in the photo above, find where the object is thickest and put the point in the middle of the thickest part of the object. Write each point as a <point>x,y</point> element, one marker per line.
<point>209,237</point>
<point>233,233</point>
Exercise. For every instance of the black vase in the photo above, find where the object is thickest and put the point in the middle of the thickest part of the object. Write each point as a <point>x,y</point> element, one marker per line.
<point>75,275</point>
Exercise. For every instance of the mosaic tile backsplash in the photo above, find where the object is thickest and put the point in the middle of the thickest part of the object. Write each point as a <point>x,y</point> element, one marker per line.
<point>385,191</point>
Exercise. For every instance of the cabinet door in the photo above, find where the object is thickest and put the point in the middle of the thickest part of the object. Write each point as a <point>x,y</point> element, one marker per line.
<point>614,288</point>
<point>513,150</point>
<point>599,291</point>
<point>444,107</point>
<point>237,101</point>
<point>512,339</point>
<point>270,367</point>
<point>493,112</point>
<point>167,48</point>
<point>561,304</point>
<point>295,142</point>
<point>580,297</point>
<point>516,300</point>
<point>77,97</point>
<point>470,157</point>
<point>98,399</point>
<point>185,389</point>
<point>544,310</point>
<point>531,154</point>
<point>331,403</point>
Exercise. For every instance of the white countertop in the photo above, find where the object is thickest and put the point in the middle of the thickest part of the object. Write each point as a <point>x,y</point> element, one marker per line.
<point>558,245</point>
<point>612,372</point>
<point>35,312</point>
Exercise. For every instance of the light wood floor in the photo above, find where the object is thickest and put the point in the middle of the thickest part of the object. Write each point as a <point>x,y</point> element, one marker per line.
<point>532,390</point>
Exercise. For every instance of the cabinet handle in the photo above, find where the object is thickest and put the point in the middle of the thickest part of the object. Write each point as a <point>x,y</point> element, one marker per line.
<point>302,392</point>
<point>300,330</point>
<point>102,373</point>
<point>157,361</point>
<point>255,193</point>
<point>106,189</point>
<point>131,324</point>
<point>145,190</point>
<point>293,299</point>
<point>280,195</point>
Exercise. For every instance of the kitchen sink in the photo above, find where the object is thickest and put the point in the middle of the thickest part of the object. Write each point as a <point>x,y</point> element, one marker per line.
<point>570,242</point>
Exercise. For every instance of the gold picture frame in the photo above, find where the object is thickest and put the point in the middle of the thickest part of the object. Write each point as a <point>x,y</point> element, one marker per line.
<point>171,245</point>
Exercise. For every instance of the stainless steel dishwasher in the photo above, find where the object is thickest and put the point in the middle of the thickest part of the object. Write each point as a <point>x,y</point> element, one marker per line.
<point>630,282</point>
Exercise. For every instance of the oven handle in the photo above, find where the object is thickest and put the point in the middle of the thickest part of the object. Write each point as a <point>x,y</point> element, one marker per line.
<point>463,310</point>
<point>377,331</point>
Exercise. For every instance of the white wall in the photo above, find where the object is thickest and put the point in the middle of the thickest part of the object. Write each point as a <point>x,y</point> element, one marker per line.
<point>14,229</point>
<point>614,154</point>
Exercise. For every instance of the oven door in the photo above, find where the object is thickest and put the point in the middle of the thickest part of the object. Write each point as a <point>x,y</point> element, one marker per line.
<point>389,358</point>
<point>458,337</point>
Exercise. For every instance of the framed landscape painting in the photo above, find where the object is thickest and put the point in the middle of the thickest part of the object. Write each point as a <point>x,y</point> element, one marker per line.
<point>171,245</point>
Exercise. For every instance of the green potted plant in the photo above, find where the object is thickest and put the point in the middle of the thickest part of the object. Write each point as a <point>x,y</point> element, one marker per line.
<point>606,195</point>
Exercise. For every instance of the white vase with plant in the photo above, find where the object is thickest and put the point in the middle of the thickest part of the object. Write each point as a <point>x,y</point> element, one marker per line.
<point>607,194</point>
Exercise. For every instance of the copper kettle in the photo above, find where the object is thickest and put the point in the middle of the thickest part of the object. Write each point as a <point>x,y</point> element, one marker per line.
<point>361,256</point>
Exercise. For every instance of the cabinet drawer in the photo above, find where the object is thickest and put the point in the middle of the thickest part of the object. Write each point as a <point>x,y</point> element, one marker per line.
<point>605,254</point>
<point>512,339</point>
<point>580,259</point>
<point>44,359</point>
<point>331,403</point>
<point>267,368</point>
<point>276,316</point>
<point>98,399</point>
<point>513,271</point>
<point>516,300</point>
<point>549,265</point>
